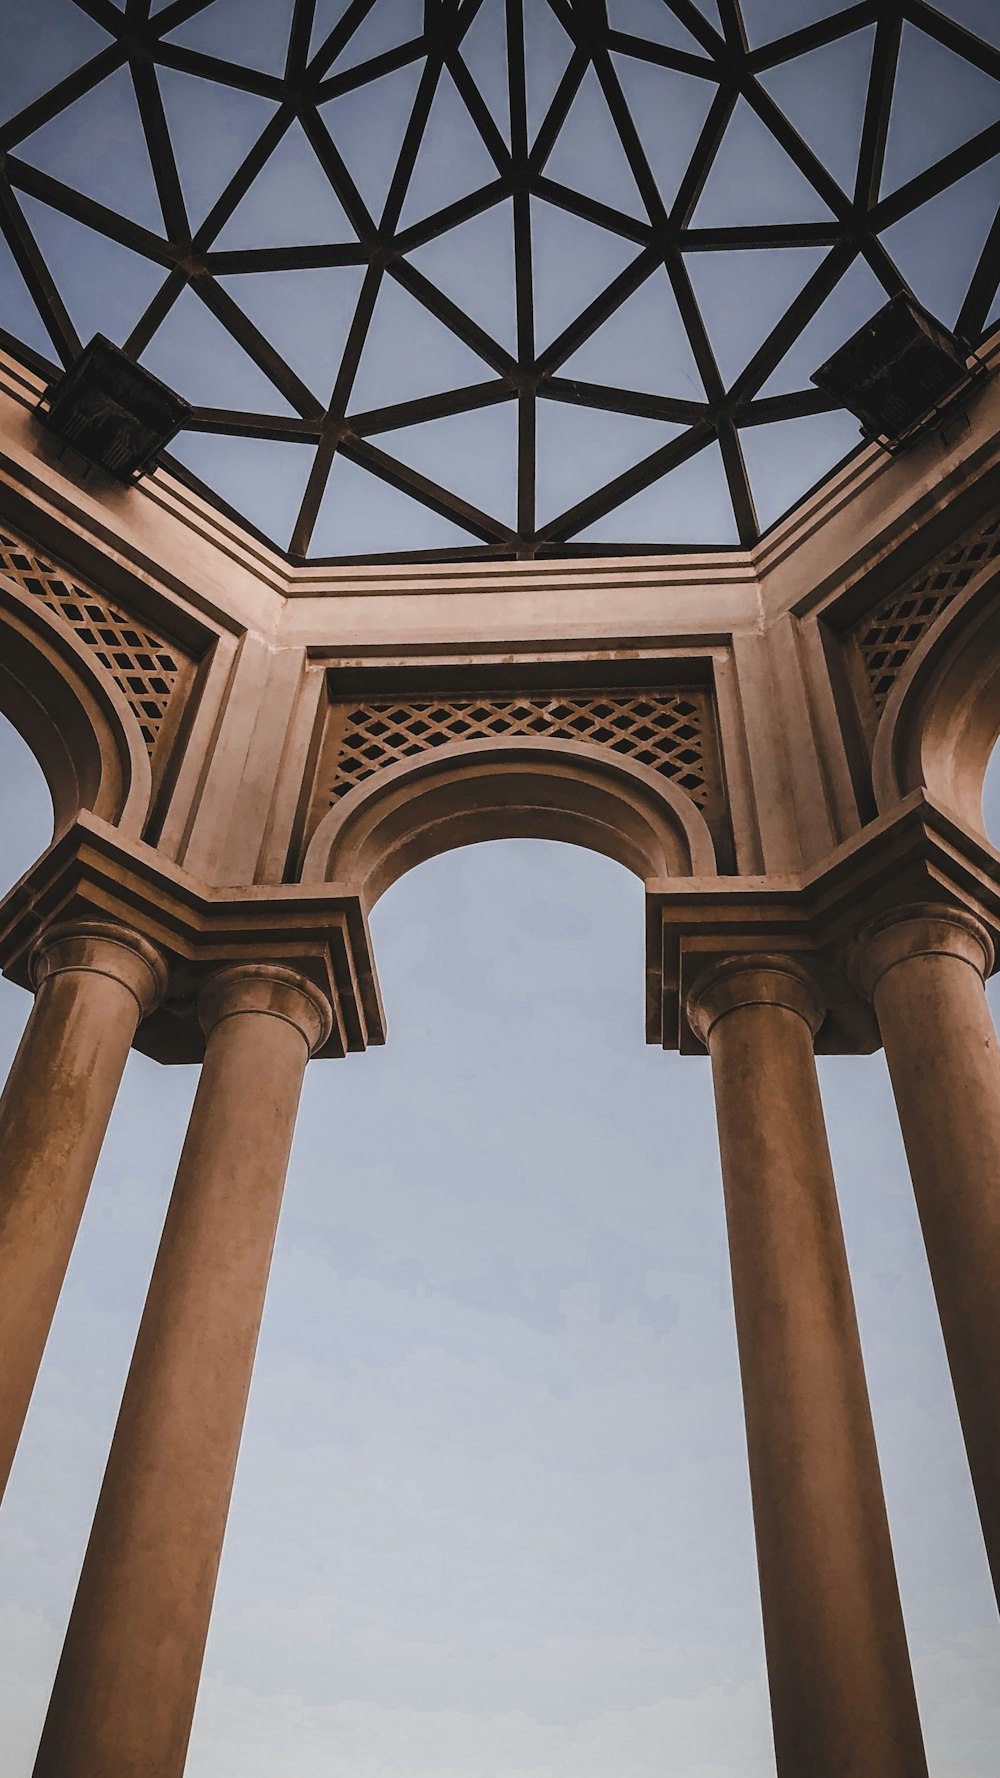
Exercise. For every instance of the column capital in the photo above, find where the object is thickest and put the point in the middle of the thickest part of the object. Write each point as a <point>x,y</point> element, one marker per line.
<point>271,991</point>
<point>753,980</point>
<point>103,948</point>
<point>921,929</point>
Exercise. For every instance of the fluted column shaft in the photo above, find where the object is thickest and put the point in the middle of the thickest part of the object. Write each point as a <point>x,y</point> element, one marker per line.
<point>924,968</point>
<point>127,1681</point>
<point>93,983</point>
<point>842,1696</point>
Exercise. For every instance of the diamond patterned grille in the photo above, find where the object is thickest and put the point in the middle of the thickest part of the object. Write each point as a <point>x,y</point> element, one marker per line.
<point>145,666</point>
<point>661,729</point>
<point>888,636</point>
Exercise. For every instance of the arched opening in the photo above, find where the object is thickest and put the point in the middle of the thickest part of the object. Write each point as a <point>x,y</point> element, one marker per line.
<point>492,1512</point>
<point>942,719</point>
<point>991,798</point>
<point>73,716</point>
<point>26,813</point>
<point>497,1393</point>
<point>938,733</point>
<point>25,831</point>
<point>467,792</point>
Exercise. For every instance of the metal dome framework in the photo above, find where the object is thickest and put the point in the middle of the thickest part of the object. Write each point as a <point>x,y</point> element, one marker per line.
<point>664,236</point>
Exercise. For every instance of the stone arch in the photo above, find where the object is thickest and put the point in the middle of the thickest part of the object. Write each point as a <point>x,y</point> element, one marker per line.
<point>942,718</point>
<point>508,788</point>
<point>73,716</point>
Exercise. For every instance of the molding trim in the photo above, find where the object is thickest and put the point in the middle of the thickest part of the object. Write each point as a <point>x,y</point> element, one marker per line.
<point>507,788</point>
<point>89,874</point>
<point>919,854</point>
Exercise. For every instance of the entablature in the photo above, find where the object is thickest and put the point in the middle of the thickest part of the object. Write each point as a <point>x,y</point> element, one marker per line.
<point>777,690</point>
<point>89,874</point>
<point>918,856</point>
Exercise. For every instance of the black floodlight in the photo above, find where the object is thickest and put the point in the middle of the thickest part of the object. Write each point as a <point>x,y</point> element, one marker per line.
<point>113,411</point>
<point>897,372</point>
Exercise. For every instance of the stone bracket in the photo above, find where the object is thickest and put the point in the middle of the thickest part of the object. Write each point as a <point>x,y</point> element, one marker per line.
<point>89,873</point>
<point>919,853</point>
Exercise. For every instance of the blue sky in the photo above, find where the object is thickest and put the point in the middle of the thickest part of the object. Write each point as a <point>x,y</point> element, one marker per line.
<point>491,1518</point>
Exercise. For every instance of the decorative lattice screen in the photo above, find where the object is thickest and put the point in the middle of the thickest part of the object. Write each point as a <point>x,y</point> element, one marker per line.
<point>888,636</point>
<point>145,666</point>
<point>662,729</point>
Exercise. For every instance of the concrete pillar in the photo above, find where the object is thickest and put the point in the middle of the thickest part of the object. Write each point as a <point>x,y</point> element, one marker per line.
<point>924,968</point>
<point>842,1697</point>
<point>127,1681</point>
<point>93,983</point>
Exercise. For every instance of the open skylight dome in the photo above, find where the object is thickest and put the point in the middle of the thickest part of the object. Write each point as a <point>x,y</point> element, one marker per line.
<point>496,277</point>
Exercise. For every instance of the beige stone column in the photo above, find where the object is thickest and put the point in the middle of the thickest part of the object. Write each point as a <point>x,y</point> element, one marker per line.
<point>924,968</point>
<point>842,1697</point>
<point>125,1689</point>
<point>93,983</point>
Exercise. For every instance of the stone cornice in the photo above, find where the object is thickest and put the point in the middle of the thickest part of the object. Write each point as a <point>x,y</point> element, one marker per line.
<point>89,873</point>
<point>918,854</point>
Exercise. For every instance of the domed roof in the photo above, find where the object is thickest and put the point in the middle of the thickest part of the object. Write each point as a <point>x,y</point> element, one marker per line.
<point>497,277</point>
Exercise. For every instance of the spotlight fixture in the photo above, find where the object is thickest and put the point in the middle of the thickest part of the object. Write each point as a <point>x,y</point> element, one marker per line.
<point>899,373</point>
<point>112,411</point>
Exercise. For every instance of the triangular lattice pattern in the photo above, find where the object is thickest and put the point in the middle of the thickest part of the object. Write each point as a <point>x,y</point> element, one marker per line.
<point>603,157</point>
